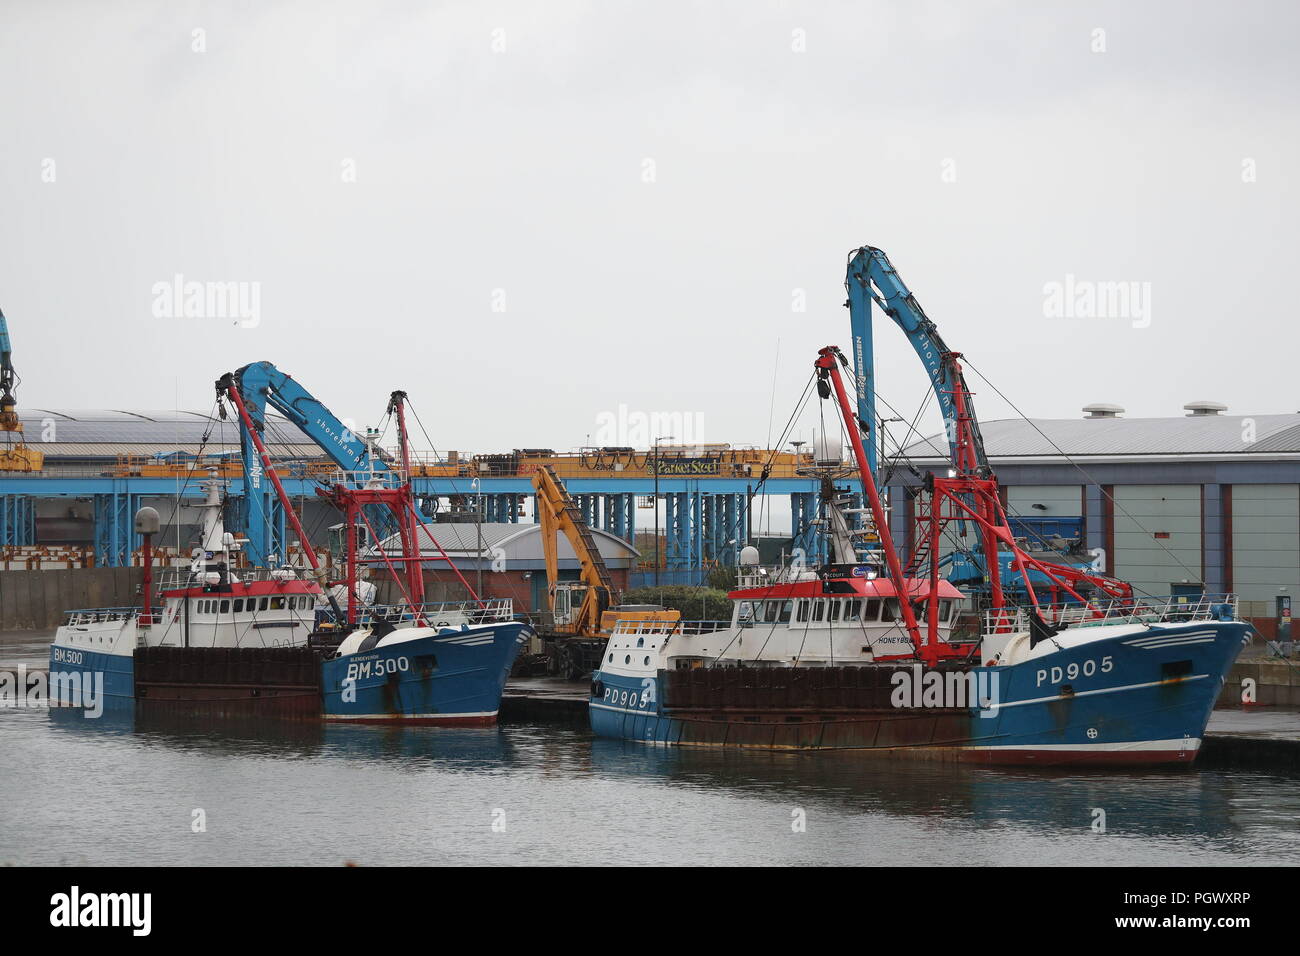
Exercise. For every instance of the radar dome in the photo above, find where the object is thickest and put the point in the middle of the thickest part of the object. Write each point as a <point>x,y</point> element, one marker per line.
<point>827,449</point>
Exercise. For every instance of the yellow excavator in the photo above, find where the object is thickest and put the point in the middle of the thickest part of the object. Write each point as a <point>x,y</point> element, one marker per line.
<point>583,612</point>
<point>14,455</point>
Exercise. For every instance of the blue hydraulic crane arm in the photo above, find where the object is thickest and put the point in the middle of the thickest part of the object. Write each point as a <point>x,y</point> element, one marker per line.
<point>6,360</point>
<point>261,383</point>
<point>872,277</point>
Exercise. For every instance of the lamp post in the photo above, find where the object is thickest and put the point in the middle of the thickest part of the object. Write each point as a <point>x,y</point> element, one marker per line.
<point>657,441</point>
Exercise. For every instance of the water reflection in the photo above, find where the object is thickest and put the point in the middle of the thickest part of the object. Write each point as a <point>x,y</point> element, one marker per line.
<point>1153,802</point>
<point>552,773</point>
<point>468,747</point>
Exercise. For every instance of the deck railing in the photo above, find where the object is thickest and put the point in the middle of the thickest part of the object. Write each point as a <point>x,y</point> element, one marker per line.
<point>1143,610</point>
<point>170,579</point>
<point>99,615</point>
<point>451,613</point>
<point>635,628</point>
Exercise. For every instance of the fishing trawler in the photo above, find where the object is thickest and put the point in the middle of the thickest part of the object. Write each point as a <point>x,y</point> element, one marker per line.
<point>232,642</point>
<point>208,607</point>
<point>413,662</point>
<point>861,654</point>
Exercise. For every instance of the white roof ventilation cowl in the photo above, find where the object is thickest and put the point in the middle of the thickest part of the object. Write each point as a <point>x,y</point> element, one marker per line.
<point>1103,410</point>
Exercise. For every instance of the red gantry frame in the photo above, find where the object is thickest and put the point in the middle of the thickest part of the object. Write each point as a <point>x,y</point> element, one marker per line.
<point>969,493</point>
<point>400,501</point>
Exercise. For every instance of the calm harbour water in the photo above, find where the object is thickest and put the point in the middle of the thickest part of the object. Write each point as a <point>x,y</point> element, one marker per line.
<point>114,792</point>
<point>105,792</point>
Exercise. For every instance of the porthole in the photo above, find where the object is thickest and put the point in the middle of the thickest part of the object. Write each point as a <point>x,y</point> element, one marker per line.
<point>627,659</point>
<point>647,660</point>
<point>640,642</point>
<point>611,658</point>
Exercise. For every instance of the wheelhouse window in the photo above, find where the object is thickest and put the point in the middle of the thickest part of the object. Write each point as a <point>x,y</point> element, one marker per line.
<point>819,610</point>
<point>872,613</point>
<point>746,613</point>
<point>833,610</point>
<point>801,612</point>
<point>239,605</point>
<point>853,609</point>
<point>786,609</point>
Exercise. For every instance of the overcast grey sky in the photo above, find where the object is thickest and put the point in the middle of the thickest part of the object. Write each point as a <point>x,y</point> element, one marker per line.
<point>560,207</point>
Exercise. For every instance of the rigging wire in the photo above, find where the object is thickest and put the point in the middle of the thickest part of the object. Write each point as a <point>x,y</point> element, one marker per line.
<point>774,449</point>
<point>1079,468</point>
<point>213,422</point>
<point>1011,511</point>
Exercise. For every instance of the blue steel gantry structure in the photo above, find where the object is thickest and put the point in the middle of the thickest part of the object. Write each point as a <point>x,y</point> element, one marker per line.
<point>705,520</point>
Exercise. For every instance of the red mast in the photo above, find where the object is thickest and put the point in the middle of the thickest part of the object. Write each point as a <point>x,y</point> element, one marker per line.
<point>827,368</point>
<point>400,501</point>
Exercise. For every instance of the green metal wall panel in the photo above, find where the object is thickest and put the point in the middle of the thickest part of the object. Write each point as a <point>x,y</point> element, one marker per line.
<point>1265,541</point>
<point>1153,564</point>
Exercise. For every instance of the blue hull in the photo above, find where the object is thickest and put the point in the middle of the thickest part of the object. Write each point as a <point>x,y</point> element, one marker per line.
<point>1142,697</point>
<point>454,677</point>
<point>72,671</point>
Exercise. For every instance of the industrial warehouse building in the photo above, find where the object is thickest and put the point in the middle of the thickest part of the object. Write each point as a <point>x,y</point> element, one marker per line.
<point>1204,501</point>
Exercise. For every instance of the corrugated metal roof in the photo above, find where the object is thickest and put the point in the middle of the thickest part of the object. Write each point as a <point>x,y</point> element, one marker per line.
<point>110,450</point>
<point>1191,436</point>
<point>521,543</point>
<point>172,428</point>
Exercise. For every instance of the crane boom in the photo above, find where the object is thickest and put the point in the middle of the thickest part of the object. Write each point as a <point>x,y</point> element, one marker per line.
<point>872,277</point>
<point>561,516</point>
<point>261,384</point>
<point>970,492</point>
<point>14,454</point>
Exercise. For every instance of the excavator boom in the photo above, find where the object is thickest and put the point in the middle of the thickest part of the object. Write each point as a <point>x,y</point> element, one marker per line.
<point>597,614</point>
<point>14,455</point>
<point>561,516</point>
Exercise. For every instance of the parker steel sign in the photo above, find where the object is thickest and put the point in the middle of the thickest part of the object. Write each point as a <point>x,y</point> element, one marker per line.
<point>684,466</point>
